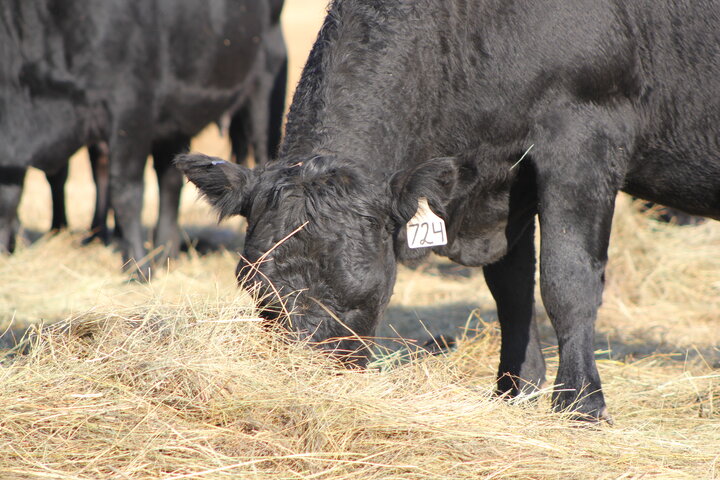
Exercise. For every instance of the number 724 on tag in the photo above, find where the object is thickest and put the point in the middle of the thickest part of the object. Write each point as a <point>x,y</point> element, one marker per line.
<point>426,229</point>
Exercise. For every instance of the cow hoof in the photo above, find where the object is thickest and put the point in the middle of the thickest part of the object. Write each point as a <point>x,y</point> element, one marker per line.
<point>520,388</point>
<point>90,239</point>
<point>606,417</point>
<point>103,237</point>
<point>589,409</point>
<point>594,419</point>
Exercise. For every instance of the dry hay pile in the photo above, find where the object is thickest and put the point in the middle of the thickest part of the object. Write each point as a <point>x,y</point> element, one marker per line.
<point>196,391</point>
<point>174,379</point>
<point>663,285</point>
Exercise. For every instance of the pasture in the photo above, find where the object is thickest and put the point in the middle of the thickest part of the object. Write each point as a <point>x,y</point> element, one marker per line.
<point>175,379</point>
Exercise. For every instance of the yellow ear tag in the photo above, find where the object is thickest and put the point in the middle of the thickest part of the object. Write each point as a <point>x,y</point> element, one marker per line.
<point>425,229</point>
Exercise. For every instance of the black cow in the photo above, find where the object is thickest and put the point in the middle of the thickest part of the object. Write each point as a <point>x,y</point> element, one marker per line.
<point>257,123</point>
<point>143,76</point>
<point>407,99</point>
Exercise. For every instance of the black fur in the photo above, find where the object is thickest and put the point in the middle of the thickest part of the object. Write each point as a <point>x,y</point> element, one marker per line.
<point>258,122</point>
<point>439,99</point>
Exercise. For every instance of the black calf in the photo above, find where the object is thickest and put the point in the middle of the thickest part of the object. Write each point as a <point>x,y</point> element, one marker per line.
<point>438,99</point>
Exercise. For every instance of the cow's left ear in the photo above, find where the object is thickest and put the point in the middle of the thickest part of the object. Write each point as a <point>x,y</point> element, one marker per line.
<point>440,180</point>
<point>226,186</point>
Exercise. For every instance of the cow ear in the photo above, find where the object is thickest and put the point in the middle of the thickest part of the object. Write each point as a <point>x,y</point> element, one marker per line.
<point>440,180</point>
<point>225,185</point>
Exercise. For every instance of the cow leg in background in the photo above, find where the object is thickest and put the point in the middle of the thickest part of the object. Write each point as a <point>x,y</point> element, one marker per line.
<point>579,171</point>
<point>100,164</point>
<point>259,121</point>
<point>259,106</point>
<point>277,110</point>
<point>11,186</point>
<point>170,181</point>
<point>267,107</point>
<point>129,149</point>
<point>57,192</point>
<point>240,134</point>
<point>512,283</point>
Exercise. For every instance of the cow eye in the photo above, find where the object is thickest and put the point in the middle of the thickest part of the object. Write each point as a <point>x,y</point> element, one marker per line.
<point>374,223</point>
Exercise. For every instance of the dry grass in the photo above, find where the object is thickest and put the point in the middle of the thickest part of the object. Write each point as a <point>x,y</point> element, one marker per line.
<point>193,389</point>
<point>174,380</point>
<point>663,283</point>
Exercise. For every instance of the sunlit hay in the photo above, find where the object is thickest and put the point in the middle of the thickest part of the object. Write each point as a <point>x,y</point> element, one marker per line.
<point>56,277</point>
<point>663,282</point>
<point>202,390</point>
<point>180,378</point>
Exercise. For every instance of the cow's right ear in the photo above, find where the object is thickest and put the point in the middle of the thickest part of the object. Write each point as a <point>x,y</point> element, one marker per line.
<point>225,185</point>
<point>440,180</point>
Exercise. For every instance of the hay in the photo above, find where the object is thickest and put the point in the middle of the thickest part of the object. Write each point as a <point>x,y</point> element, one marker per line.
<point>663,284</point>
<point>196,391</point>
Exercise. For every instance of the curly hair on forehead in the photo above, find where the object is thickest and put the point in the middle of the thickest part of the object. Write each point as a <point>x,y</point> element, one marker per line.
<point>324,187</point>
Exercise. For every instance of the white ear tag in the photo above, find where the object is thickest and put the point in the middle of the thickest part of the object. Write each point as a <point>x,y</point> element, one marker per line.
<point>426,229</point>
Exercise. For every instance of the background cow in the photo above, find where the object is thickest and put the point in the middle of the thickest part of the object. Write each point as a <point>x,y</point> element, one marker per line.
<point>439,99</point>
<point>143,77</point>
<point>256,123</point>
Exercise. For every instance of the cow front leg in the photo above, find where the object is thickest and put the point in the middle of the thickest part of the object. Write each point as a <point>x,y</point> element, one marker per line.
<point>512,283</point>
<point>98,154</point>
<point>240,134</point>
<point>170,181</point>
<point>259,106</point>
<point>580,166</point>
<point>571,282</point>
<point>277,108</point>
<point>129,149</point>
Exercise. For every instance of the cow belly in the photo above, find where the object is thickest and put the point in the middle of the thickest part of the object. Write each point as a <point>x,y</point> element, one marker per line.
<point>689,182</point>
<point>206,106</point>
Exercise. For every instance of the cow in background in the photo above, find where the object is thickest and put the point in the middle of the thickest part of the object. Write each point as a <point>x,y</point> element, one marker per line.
<point>256,123</point>
<point>142,76</point>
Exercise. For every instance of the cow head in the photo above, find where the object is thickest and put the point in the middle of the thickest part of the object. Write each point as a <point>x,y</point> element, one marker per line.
<point>318,243</point>
<point>324,236</point>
